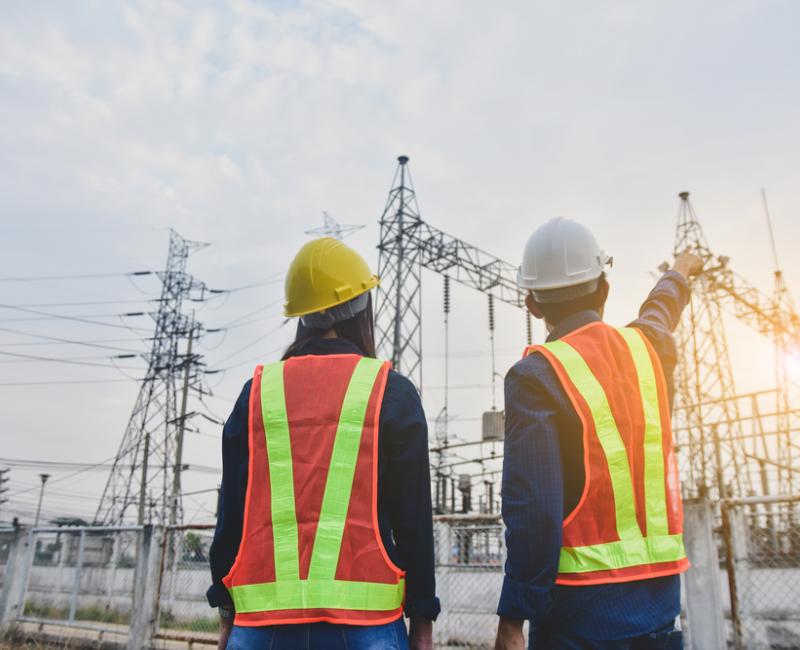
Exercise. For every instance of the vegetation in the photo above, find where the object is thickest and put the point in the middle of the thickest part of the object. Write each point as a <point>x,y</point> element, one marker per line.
<point>198,624</point>
<point>94,613</point>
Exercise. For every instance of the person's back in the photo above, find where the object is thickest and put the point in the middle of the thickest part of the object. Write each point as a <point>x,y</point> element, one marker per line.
<point>628,523</point>
<point>590,495</point>
<point>324,536</point>
<point>314,437</point>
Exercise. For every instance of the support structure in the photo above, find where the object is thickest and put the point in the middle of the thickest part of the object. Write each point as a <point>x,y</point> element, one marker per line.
<point>332,228</point>
<point>729,444</point>
<point>146,470</point>
<point>407,245</point>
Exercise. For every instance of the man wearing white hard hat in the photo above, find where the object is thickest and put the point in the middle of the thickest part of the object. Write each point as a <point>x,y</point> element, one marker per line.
<point>591,500</point>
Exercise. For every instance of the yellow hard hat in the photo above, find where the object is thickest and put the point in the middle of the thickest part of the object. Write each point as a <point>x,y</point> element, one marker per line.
<point>323,274</point>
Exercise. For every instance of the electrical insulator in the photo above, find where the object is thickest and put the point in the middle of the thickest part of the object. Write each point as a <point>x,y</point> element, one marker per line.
<point>529,327</point>
<point>447,294</point>
<point>491,313</point>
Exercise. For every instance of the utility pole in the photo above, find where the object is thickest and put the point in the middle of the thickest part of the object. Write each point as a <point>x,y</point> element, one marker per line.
<point>3,481</point>
<point>44,478</point>
<point>176,473</point>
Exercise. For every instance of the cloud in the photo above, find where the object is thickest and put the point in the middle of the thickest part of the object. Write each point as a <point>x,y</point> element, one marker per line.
<point>238,123</point>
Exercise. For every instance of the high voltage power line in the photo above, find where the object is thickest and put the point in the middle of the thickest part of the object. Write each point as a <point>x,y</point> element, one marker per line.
<point>147,467</point>
<point>726,441</point>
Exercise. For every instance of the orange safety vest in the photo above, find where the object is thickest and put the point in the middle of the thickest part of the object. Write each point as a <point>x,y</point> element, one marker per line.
<point>311,549</point>
<point>628,524</point>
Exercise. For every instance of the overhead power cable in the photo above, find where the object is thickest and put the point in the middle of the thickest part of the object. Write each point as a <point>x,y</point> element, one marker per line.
<point>255,341</point>
<point>87,303</point>
<point>79,276</point>
<point>229,324</point>
<point>58,479</point>
<point>75,361</point>
<point>129,314</point>
<point>261,357</point>
<point>237,325</point>
<point>73,318</point>
<point>270,280</point>
<point>65,382</point>
<point>69,341</point>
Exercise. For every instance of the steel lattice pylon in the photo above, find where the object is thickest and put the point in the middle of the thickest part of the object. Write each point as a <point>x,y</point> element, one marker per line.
<point>729,444</point>
<point>705,388</point>
<point>399,300</point>
<point>407,245</point>
<point>145,478</point>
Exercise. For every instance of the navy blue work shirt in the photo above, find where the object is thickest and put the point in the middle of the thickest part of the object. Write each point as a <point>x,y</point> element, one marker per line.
<point>404,488</point>
<point>543,478</point>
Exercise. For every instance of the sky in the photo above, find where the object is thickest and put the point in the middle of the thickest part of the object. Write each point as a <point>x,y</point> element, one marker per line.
<point>237,123</point>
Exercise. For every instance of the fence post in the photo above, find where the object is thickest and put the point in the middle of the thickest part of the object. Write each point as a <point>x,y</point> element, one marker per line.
<point>705,616</point>
<point>76,577</point>
<point>444,545</point>
<point>738,549</point>
<point>147,583</point>
<point>16,575</point>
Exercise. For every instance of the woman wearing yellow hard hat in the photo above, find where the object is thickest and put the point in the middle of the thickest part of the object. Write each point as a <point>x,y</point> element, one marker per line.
<point>324,536</point>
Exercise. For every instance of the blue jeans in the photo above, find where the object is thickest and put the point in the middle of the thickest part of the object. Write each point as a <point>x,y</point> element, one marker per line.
<point>325,636</point>
<point>667,638</point>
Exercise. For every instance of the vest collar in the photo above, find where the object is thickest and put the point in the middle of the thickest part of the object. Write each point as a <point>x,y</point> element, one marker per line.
<point>320,346</point>
<point>571,323</point>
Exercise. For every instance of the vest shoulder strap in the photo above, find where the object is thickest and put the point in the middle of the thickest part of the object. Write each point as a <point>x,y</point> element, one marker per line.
<point>582,377</point>
<point>339,481</point>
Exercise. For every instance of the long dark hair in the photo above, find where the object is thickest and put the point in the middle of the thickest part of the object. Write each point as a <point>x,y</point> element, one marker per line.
<point>359,330</point>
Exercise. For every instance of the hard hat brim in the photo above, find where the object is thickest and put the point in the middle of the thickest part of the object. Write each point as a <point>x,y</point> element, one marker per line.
<point>531,284</point>
<point>370,284</point>
<point>565,294</point>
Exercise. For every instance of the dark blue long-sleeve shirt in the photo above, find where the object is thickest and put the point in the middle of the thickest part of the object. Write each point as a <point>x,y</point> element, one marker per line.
<point>404,493</point>
<point>543,478</point>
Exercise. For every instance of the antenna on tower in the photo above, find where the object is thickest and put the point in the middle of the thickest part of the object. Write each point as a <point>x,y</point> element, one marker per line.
<point>332,228</point>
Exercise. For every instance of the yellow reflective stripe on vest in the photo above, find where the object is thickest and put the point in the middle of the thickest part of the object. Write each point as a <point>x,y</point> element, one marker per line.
<point>321,590</point>
<point>655,491</point>
<point>607,433</point>
<point>317,594</point>
<point>339,484</point>
<point>281,476</point>
<point>622,554</point>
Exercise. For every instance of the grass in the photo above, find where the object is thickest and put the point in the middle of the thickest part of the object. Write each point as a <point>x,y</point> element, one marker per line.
<point>94,613</point>
<point>100,614</point>
<point>198,624</point>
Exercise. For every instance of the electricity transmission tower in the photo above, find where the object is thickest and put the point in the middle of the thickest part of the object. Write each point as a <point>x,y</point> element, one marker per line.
<point>731,444</point>
<point>332,228</point>
<point>144,482</point>
<point>407,245</point>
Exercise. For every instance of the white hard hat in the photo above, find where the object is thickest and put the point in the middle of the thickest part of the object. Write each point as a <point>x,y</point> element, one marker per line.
<point>562,260</point>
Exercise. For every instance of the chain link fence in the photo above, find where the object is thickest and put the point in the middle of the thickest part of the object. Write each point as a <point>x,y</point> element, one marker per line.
<point>760,540</point>
<point>184,614</point>
<point>470,552</point>
<point>81,578</point>
<point>6,539</point>
<point>102,582</point>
